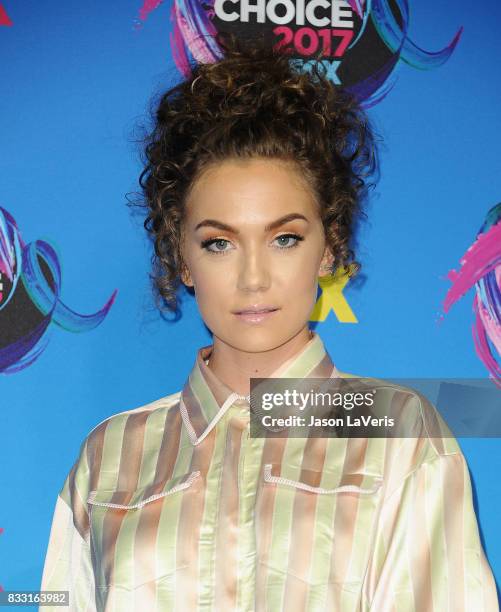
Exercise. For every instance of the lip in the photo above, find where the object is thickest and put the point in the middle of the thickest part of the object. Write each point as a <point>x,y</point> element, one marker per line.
<point>256,316</point>
<point>256,308</point>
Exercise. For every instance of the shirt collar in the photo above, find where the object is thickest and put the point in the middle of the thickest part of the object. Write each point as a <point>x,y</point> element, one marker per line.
<point>205,398</point>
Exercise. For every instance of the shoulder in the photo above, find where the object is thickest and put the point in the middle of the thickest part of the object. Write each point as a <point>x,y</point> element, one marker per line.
<point>115,443</point>
<point>421,437</point>
<point>414,413</point>
<point>113,432</point>
<point>155,407</point>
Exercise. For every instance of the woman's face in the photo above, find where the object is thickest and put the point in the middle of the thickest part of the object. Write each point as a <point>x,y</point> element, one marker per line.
<point>253,238</point>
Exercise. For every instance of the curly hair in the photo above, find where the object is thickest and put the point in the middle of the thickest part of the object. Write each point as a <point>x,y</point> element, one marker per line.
<point>253,102</point>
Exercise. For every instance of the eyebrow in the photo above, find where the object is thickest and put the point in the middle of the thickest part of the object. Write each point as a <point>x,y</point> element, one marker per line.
<point>270,226</point>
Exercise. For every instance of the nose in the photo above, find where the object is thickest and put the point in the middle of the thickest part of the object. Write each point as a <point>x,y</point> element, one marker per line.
<point>254,274</point>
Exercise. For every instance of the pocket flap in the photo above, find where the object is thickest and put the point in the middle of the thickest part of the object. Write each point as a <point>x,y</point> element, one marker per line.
<point>355,482</point>
<point>129,500</point>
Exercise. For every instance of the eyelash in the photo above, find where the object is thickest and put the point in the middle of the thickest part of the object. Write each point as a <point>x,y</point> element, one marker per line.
<point>209,241</point>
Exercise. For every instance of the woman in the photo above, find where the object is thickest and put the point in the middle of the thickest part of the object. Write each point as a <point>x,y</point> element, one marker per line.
<point>254,180</point>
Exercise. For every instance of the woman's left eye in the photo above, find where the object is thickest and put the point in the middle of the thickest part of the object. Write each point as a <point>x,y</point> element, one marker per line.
<point>295,237</point>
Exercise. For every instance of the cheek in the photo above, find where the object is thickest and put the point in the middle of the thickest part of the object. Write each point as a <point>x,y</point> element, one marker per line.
<point>301,281</point>
<point>211,286</point>
<point>300,272</point>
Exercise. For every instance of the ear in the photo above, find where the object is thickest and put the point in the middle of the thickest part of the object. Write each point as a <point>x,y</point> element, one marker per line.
<point>186,276</point>
<point>325,268</point>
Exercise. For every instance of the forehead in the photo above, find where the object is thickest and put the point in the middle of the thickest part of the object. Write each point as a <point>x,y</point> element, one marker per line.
<point>250,190</point>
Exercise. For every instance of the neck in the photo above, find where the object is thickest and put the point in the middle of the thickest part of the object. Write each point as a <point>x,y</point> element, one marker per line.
<point>235,367</point>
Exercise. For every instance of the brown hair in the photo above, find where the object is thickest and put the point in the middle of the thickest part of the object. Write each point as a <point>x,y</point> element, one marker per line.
<point>254,102</point>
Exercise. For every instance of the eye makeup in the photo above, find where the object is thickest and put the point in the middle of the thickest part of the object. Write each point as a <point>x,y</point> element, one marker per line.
<point>205,244</point>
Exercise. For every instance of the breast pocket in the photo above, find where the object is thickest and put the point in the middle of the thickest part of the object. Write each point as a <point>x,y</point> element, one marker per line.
<point>316,527</point>
<point>136,537</point>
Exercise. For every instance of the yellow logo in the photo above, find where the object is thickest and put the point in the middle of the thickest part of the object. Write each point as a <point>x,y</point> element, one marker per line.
<point>332,298</point>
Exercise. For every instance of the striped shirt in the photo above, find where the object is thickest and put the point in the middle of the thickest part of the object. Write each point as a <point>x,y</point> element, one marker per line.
<point>173,506</point>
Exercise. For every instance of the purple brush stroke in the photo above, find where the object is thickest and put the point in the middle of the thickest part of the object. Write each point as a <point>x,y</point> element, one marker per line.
<point>358,6</point>
<point>20,262</point>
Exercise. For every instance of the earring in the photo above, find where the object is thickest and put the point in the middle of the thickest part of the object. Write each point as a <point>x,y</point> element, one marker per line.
<point>326,269</point>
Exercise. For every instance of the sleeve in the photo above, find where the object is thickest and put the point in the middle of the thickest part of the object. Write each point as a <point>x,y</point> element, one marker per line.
<point>427,554</point>
<point>68,565</point>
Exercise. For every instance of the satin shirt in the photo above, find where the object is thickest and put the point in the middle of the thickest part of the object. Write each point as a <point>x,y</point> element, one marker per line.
<point>173,506</point>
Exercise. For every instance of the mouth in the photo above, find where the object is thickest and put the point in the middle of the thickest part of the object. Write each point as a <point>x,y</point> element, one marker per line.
<point>256,310</point>
<point>256,315</point>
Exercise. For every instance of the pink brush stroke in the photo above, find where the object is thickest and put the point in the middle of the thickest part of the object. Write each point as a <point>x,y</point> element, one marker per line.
<point>5,20</point>
<point>482,257</point>
<point>147,7</point>
<point>358,7</point>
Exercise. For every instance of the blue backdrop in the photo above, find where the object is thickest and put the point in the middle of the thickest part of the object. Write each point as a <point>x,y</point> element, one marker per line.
<point>76,78</point>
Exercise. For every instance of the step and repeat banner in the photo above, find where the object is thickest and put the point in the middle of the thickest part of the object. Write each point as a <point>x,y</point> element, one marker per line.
<point>80,338</point>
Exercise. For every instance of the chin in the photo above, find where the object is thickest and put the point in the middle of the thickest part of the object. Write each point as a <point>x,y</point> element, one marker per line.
<point>252,338</point>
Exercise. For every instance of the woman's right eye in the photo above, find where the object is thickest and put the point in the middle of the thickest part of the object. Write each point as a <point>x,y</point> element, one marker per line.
<point>214,241</point>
